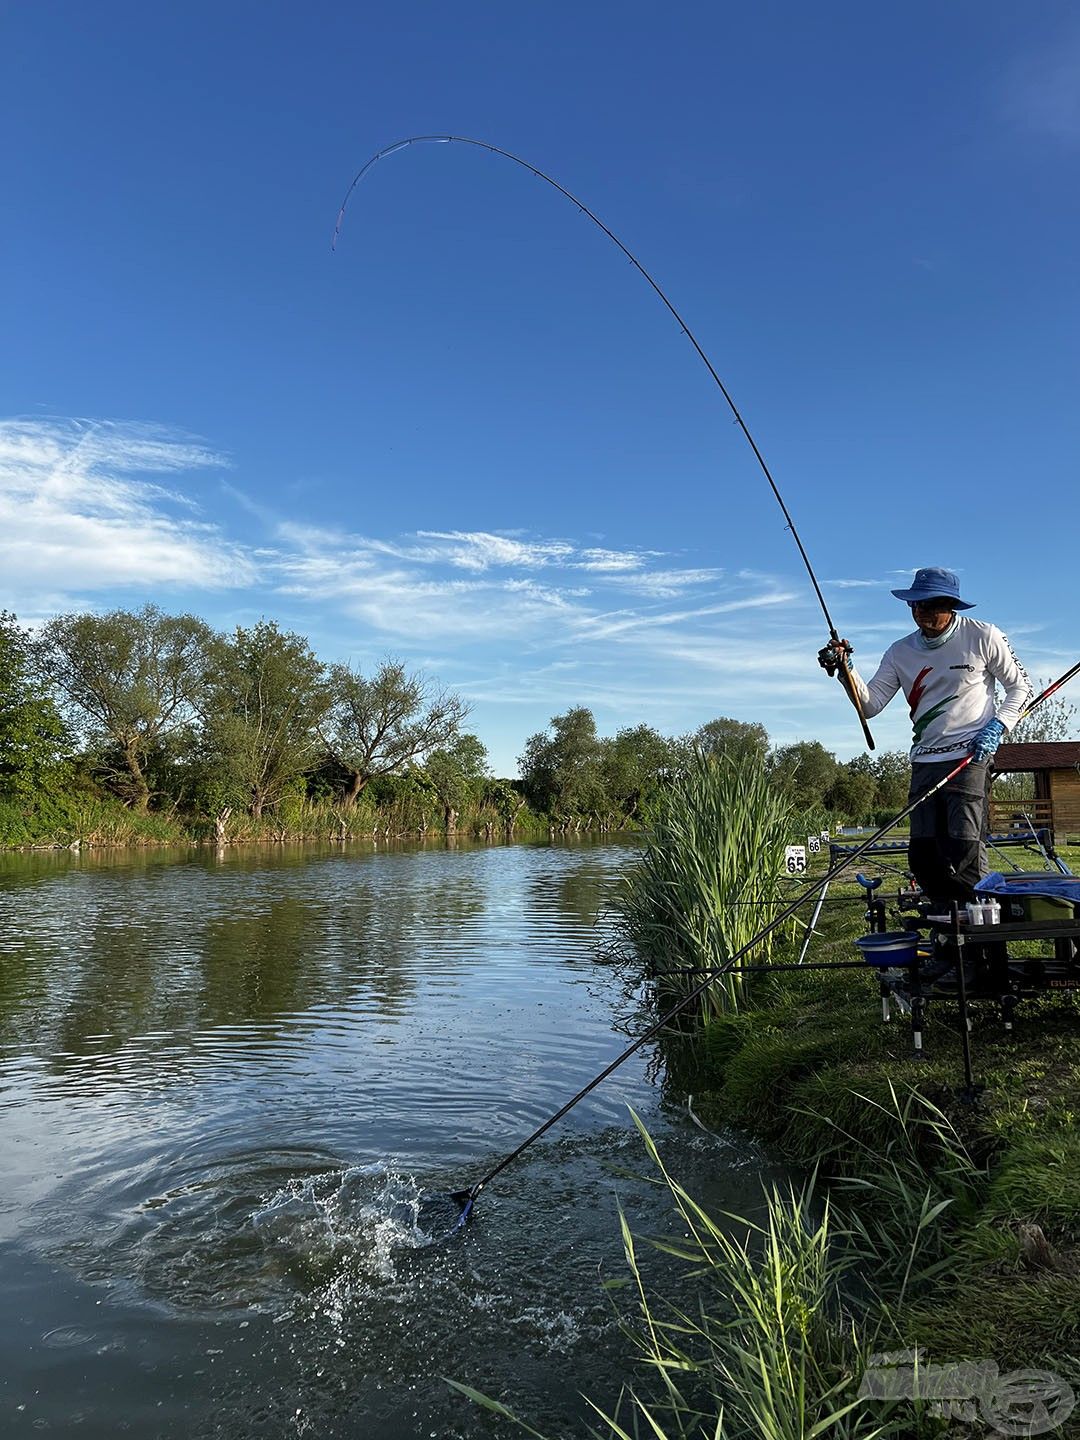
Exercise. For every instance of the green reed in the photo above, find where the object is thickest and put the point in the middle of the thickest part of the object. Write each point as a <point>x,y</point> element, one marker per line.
<point>710,876</point>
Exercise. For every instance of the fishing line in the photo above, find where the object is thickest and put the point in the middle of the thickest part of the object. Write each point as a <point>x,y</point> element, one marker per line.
<point>683,326</point>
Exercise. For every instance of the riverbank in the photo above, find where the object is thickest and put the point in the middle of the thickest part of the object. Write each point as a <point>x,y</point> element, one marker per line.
<point>83,820</point>
<point>808,1067</point>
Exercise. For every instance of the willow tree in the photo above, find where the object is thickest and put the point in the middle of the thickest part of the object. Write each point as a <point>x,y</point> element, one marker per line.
<point>803,772</point>
<point>633,763</point>
<point>743,741</point>
<point>561,767</point>
<point>456,773</point>
<point>130,681</point>
<point>267,697</point>
<point>380,725</point>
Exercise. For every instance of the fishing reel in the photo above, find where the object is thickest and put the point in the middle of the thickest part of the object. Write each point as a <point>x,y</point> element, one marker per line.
<point>910,897</point>
<point>835,656</point>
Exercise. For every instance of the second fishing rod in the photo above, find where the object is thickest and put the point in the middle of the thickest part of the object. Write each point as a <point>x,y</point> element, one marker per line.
<point>467,1198</point>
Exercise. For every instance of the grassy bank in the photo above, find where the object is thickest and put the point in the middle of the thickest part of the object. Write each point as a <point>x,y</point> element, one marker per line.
<point>808,1066</point>
<point>930,1227</point>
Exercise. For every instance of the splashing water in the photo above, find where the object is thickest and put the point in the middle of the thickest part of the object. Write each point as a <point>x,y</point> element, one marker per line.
<point>363,1214</point>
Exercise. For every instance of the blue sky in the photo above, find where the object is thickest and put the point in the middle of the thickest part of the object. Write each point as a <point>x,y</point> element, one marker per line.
<point>472,437</point>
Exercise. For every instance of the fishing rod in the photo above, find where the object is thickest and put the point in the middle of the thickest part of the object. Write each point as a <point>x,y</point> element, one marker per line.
<point>466,1199</point>
<point>834,637</point>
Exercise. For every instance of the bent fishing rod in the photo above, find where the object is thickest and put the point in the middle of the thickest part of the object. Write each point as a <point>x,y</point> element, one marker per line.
<point>467,1198</point>
<point>834,637</point>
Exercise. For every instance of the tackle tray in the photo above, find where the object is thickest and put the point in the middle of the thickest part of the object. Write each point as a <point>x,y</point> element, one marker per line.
<point>1009,931</point>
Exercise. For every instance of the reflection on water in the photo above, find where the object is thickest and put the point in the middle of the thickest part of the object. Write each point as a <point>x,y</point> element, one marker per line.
<point>231,1093</point>
<point>134,949</point>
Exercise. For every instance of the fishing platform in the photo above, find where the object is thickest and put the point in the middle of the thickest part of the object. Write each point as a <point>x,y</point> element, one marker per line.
<point>1019,939</point>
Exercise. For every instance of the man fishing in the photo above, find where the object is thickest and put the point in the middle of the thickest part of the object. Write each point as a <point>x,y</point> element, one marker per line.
<point>947,669</point>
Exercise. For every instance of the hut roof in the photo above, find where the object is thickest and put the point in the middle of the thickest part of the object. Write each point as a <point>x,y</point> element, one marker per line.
<point>1044,755</point>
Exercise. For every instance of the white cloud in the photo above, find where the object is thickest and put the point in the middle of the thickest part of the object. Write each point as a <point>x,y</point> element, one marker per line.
<point>96,508</point>
<point>623,622</point>
<point>481,550</point>
<point>613,561</point>
<point>409,602</point>
<point>662,584</point>
<point>406,586</point>
<point>76,511</point>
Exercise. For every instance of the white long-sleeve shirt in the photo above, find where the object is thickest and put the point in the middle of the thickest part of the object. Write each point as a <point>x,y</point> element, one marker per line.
<point>949,687</point>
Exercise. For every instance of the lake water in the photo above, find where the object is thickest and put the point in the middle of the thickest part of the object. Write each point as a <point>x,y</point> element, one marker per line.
<point>226,1080</point>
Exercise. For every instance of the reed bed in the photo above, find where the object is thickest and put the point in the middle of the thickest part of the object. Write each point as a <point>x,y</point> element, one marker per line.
<point>710,876</point>
<point>81,819</point>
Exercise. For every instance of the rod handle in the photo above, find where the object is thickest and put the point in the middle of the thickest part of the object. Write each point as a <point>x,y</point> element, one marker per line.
<point>844,676</point>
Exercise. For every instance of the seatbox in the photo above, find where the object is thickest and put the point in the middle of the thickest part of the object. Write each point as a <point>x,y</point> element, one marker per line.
<point>1036,907</point>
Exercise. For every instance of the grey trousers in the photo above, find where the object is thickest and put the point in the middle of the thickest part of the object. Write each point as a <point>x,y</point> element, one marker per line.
<point>947,848</point>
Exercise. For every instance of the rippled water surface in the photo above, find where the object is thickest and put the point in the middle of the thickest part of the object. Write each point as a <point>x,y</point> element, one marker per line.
<point>230,1089</point>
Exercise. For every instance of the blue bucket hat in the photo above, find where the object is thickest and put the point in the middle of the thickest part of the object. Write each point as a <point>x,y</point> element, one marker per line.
<point>934,584</point>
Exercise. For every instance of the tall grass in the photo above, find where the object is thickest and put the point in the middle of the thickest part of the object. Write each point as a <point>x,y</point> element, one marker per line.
<point>89,819</point>
<point>905,1190</point>
<point>76,819</point>
<point>709,877</point>
<point>770,1350</point>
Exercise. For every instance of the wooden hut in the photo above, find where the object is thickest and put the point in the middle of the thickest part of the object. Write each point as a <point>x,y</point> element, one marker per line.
<point>1056,768</point>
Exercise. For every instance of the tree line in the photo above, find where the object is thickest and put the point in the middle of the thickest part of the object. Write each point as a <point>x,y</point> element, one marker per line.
<point>570,773</point>
<point>161,711</point>
<point>166,715</point>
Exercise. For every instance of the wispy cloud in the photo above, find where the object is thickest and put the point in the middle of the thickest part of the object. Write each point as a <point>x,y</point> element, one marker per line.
<point>613,561</point>
<point>662,584</point>
<point>102,506</point>
<point>478,583</point>
<point>106,513</point>
<point>481,550</point>
<point>109,506</point>
<point>608,627</point>
<point>421,601</point>
<point>77,509</point>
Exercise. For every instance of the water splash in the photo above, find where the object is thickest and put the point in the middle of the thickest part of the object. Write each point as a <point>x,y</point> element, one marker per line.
<point>364,1214</point>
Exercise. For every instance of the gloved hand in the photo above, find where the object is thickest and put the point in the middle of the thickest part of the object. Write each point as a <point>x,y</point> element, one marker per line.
<point>987,740</point>
<point>835,655</point>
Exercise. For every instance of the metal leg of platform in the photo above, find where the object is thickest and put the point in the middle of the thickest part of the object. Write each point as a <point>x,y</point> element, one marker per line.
<point>970,1092</point>
<point>813,923</point>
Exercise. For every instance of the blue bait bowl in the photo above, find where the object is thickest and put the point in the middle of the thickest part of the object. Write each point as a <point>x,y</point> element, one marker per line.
<point>894,947</point>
